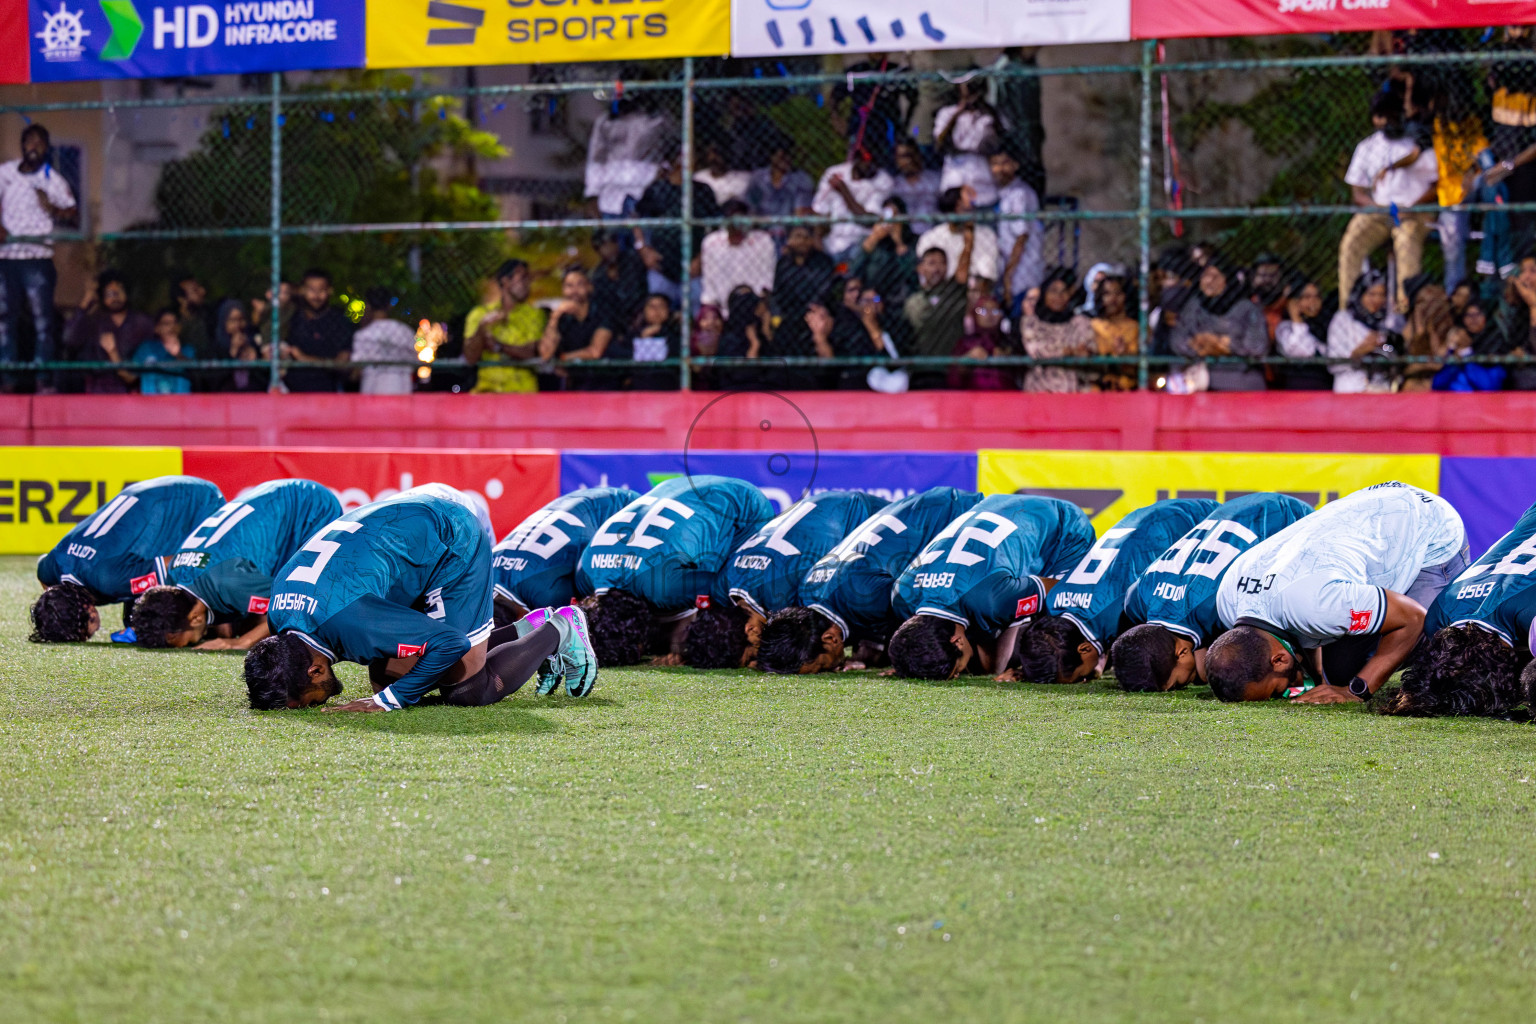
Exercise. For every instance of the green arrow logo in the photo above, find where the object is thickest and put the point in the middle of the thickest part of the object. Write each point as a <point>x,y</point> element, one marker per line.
<point>126,29</point>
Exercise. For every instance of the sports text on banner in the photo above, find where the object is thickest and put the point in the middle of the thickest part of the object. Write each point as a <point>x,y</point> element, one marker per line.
<point>46,491</point>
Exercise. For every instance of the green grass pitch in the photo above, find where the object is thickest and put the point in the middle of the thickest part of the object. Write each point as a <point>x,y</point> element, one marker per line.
<point>733,847</point>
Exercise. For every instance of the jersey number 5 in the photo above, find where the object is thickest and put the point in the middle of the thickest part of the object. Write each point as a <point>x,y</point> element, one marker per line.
<point>324,549</point>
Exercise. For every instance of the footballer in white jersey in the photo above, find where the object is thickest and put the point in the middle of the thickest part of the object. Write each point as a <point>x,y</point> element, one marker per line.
<point>1339,595</point>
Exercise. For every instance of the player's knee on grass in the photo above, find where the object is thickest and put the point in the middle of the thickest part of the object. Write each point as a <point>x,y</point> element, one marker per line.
<point>162,612</point>
<point>924,648</point>
<point>1462,670</point>
<point>1238,659</point>
<point>277,672</point>
<point>717,637</point>
<point>64,614</point>
<point>1051,651</point>
<point>1144,657</point>
<point>791,641</point>
<point>619,626</point>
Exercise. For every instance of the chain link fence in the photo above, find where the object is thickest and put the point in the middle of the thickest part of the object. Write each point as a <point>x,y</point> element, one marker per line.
<point>785,225</point>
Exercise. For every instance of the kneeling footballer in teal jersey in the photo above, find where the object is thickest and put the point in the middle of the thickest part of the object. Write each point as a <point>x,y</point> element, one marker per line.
<point>109,556</point>
<point>1088,608</point>
<point>535,564</point>
<point>404,586</point>
<point>974,585</point>
<point>1479,636</point>
<point>764,575</point>
<point>1175,598</point>
<point>847,594</point>
<point>220,581</point>
<point>659,559</point>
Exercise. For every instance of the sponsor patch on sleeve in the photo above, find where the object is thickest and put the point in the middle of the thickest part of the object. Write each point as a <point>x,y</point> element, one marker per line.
<point>257,605</point>
<point>410,650</point>
<point>701,601</point>
<point>139,584</point>
<point>1027,606</point>
<point>1360,622</point>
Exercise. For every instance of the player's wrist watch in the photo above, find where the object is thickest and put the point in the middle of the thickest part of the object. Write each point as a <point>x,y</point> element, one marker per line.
<point>1360,688</point>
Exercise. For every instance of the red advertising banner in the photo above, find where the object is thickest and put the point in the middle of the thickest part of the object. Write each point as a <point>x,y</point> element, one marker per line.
<point>513,482</point>
<point>1163,19</point>
<point>13,42</point>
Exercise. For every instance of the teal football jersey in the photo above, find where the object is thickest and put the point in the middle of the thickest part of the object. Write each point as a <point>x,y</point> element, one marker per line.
<point>984,569</point>
<point>851,584</point>
<point>112,552</point>
<point>764,574</point>
<point>1496,592</point>
<point>1093,596</point>
<point>409,575</point>
<point>669,545</point>
<point>227,562</point>
<point>1178,590</point>
<point>535,564</point>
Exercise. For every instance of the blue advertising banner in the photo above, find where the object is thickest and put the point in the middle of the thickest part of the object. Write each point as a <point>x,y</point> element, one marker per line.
<point>1490,494</point>
<point>74,40</point>
<point>785,477</point>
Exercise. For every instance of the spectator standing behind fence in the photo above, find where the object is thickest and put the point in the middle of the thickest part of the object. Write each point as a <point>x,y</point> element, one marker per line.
<point>663,250</point>
<point>936,311</point>
<point>190,297</point>
<point>1366,326</point>
<point>1513,84</point>
<point>1219,320</point>
<point>33,198</point>
<point>576,333</point>
<point>498,335</point>
<point>728,183</point>
<point>916,185</point>
<point>952,236</point>
<point>780,190</point>
<point>1019,241</point>
<point>1303,334</point>
<point>1458,139</point>
<point>381,338</point>
<point>165,350</point>
<point>1516,320</point>
<point>1115,332</point>
<point>106,331</point>
<point>234,338</point>
<point>619,279</point>
<point>854,188</point>
<point>984,342</point>
<point>318,333</point>
<point>803,273</point>
<point>1373,181</point>
<point>1051,330</point>
<point>887,258</point>
<point>736,255</point>
<point>622,155</point>
<point>965,134</point>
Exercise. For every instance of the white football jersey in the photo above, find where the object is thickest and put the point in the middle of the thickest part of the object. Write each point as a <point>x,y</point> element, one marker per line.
<point>1323,577</point>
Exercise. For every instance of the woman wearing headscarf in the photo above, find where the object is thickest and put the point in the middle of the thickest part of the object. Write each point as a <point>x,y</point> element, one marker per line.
<point>1050,330</point>
<point>748,333</point>
<point>1303,334</point>
<point>234,339</point>
<point>1220,320</point>
<point>1115,331</point>
<point>1475,334</point>
<point>1365,326</point>
<point>1430,322</point>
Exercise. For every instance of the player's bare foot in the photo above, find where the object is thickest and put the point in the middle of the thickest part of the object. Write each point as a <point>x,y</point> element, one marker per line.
<point>852,666</point>
<point>668,660</point>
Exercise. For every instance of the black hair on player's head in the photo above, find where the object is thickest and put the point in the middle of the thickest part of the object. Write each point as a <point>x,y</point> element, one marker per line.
<point>1461,670</point>
<point>790,639</point>
<point>620,626</point>
<point>1528,685</point>
<point>924,648</point>
<point>1048,649</point>
<point>276,670</point>
<point>1238,657</point>
<point>1143,658</point>
<point>62,614</point>
<point>160,611</point>
<point>716,637</point>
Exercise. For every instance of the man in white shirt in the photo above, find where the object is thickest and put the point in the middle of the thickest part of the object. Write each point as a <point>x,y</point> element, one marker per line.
<point>736,255</point>
<point>1019,241</point>
<point>850,189</point>
<point>33,197</point>
<point>621,156</point>
<point>1374,180</point>
<point>386,340</point>
<point>950,236</point>
<point>1338,596</point>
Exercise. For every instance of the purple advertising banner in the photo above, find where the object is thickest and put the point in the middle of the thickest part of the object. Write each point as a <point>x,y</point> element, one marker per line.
<point>1490,494</point>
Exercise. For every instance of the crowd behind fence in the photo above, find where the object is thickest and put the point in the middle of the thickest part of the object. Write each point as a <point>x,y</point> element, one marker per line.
<point>1352,213</point>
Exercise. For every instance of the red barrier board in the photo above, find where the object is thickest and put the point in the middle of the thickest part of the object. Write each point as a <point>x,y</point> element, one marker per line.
<point>13,42</point>
<point>513,483</point>
<point>1163,19</point>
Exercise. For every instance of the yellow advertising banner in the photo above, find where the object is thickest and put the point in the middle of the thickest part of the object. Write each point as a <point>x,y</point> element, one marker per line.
<point>46,491</point>
<point>426,33</point>
<point>1111,485</point>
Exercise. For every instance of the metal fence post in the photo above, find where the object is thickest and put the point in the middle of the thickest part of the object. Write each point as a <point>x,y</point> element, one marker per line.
<point>1144,214</point>
<point>277,225</point>
<point>685,154</point>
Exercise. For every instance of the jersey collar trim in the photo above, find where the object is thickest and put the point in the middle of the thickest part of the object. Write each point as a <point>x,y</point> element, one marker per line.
<point>837,620</point>
<point>940,613</point>
<point>315,644</point>
<point>70,577</point>
<point>1184,631</point>
<point>742,597</point>
<point>1087,632</point>
<point>163,568</point>
<point>1486,627</point>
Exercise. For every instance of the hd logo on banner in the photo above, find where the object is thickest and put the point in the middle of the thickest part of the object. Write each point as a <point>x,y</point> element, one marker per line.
<point>761,28</point>
<point>71,40</point>
<point>433,33</point>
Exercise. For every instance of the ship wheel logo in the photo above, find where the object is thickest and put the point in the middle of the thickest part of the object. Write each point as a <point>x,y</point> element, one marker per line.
<point>63,34</point>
